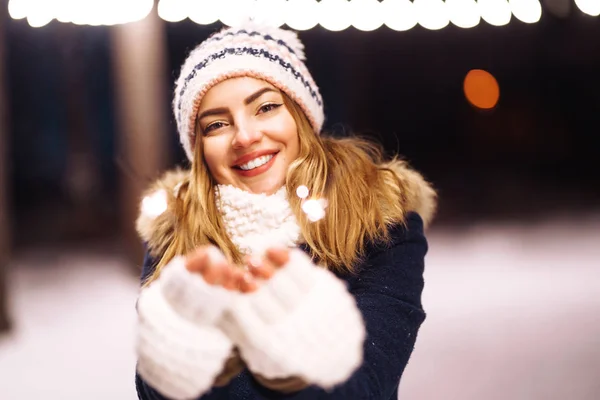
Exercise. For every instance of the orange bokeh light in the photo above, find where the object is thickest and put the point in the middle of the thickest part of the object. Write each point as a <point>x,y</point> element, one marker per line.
<point>481,89</point>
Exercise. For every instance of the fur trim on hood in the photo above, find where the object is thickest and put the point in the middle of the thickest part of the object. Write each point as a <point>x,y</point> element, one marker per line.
<point>156,221</point>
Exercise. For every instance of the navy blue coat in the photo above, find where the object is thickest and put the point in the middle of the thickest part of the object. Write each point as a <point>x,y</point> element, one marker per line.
<point>388,291</point>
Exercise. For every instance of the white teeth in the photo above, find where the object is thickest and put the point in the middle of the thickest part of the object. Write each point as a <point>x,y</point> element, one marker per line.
<point>257,162</point>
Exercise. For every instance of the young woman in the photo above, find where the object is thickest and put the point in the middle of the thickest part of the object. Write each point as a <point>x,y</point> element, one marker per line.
<point>247,294</point>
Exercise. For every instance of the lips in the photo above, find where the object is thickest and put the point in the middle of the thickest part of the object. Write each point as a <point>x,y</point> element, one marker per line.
<point>250,173</point>
<point>251,156</point>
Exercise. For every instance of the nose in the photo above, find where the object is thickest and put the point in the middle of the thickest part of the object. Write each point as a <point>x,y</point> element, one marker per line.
<point>245,136</point>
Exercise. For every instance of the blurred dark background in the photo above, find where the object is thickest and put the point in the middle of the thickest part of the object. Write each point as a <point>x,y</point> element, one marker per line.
<point>532,155</point>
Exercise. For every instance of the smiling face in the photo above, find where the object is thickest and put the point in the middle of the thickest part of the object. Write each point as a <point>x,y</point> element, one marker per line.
<point>248,135</point>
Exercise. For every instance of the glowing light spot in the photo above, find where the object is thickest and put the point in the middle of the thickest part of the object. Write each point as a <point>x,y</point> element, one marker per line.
<point>431,14</point>
<point>495,12</point>
<point>204,12</point>
<point>399,15</point>
<point>301,14</point>
<point>302,192</point>
<point>528,11</point>
<point>270,12</point>
<point>235,12</point>
<point>366,14</point>
<point>481,89</point>
<point>590,7</point>
<point>172,10</point>
<point>17,9</point>
<point>463,13</point>
<point>314,209</point>
<point>155,204</point>
<point>335,15</point>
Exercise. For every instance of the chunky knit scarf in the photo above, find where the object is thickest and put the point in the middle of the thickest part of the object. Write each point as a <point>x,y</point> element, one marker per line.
<point>255,222</point>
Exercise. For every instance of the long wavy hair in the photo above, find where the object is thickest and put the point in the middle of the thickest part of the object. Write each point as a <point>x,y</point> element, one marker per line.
<point>364,197</point>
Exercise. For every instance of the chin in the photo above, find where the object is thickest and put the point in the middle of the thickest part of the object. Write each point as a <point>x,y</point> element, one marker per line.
<point>265,187</point>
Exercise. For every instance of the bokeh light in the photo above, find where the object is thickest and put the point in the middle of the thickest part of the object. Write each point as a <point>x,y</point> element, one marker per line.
<point>432,14</point>
<point>335,15</point>
<point>590,7</point>
<point>495,12</point>
<point>528,11</point>
<point>203,12</point>
<point>302,192</point>
<point>301,14</point>
<point>481,89</point>
<point>399,15</point>
<point>155,204</point>
<point>314,209</point>
<point>366,14</point>
<point>463,13</point>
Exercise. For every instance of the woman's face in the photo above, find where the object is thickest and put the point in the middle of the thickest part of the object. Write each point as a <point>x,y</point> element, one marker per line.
<point>249,136</point>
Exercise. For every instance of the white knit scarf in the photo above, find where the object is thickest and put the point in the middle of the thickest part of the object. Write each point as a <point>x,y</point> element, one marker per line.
<point>255,222</point>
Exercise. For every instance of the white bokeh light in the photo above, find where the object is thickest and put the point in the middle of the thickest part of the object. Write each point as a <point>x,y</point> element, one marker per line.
<point>204,12</point>
<point>366,14</point>
<point>39,13</point>
<point>495,12</point>
<point>38,18</point>
<point>431,14</point>
<point>173,10</point>
<point>314,209</point>
<point>17,9</point>
<point>66,10</point>
<point>301,14</point>
<point>528,11</point>
<point>302,191</point>
<point>334,15</point>
<point>590,7</point>
<point>88,12</point>
<point>463,13</point>
<point>155,204</point>
<point>92,13</point>
<point>399,15</point>
<point>139,10</point>
<point>270,12</point>
<point>236,12</point>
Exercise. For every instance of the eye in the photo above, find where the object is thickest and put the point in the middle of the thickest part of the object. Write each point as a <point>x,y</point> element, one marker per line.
<point>213,126</point>
<point>268,107</point>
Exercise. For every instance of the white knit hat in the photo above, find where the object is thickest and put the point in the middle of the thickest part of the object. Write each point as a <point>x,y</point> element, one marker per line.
<point>271,54</point>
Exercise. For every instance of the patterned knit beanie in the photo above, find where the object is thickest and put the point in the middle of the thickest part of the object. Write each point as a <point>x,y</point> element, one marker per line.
<point>271,54</point>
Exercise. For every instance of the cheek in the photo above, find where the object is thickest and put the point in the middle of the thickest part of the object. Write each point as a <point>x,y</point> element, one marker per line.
<point>294,145</point>
<point>215,153</point>
<point>294,141</point>
<point>290,135</point>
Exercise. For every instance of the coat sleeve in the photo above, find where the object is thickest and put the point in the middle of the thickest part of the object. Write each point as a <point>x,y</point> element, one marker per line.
<point>144,391</point>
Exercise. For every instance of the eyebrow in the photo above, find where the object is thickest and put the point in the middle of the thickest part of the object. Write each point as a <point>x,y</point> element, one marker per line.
<point>257,94</point>
<point>248,100</point>
<point>213,111</point>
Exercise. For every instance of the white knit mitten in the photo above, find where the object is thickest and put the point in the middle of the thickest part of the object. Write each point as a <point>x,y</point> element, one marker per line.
<point>180,351</point>
<point>303,322</point>
<point>188,293</point>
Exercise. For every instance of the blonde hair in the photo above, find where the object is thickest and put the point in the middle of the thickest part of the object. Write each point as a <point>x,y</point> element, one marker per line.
<point>364,197</point>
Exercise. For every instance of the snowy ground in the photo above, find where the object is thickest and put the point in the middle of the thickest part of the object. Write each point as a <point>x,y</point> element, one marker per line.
<point>513,313</point>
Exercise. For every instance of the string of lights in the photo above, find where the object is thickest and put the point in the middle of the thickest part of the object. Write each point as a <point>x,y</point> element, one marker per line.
<point>334,15</point>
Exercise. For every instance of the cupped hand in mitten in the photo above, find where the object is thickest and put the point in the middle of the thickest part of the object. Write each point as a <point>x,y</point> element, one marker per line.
<point>211,264</point>
<point>200,286</point>
<point>301,321</point>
